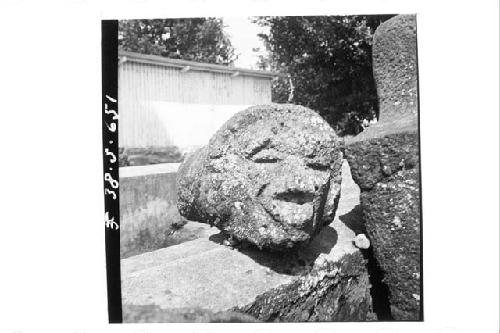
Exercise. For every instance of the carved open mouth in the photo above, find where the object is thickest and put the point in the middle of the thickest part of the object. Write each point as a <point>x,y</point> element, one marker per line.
<point>296,196</point>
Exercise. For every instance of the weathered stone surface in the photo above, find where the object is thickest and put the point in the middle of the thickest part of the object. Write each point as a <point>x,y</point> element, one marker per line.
<point>197,274</point>
<point>334,292</point>
<point>155,314</point>
<point>270,177</point>
<point>392,216</point>
<point>386,169</point>
<point>395,67</point>
<point>384,162</point>
<point>203,274</point>
<point>373,160</point>
<point>148,211</point>
<point>396,75</point>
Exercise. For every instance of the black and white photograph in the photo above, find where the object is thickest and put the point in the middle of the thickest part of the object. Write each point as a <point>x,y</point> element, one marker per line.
<point>250,166</point>
<point>269,169</point>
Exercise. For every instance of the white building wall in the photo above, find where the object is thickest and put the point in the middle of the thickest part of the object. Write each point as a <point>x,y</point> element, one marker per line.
<point>161,106</point>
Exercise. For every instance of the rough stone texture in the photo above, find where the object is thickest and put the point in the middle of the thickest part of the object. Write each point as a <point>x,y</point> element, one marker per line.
<point>270,177</point>
<point>373,160</point>
<point>395,67</point>
<point>384,162</point>
<point>204,274</point>
<point>335,292</point>
<point>198,274</point>
<point>396,76</point>
<point>392,213</point>
<point>148,212</point>
<point>386,170</point>
<point>155,314</point>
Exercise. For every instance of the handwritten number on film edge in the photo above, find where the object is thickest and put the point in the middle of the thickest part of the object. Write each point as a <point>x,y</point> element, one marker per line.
<point>110,180</point>
<point>106,191</point>
<point>109,153</point>
<point>110,222</point>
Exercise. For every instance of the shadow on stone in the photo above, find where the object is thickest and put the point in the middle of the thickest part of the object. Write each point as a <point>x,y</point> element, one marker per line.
<point>296,262</point>
<point>217,238</point>
<point>379,290</point>
<point>354,220</point>
<point>323,243</point>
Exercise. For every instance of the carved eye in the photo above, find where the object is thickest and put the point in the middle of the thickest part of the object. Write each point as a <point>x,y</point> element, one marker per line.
<point>267,156</point>
<point>318,166</point>
<point>266,159</point>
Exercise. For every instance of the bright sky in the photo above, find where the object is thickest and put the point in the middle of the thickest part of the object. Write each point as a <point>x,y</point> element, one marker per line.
<point>243,34</point>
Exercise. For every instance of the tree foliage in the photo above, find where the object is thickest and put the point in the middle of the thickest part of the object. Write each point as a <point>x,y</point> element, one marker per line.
<point>197,39</point>
<point>329,63</point>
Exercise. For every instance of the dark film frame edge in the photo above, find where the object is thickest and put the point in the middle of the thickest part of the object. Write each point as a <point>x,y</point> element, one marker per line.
<point>109,49</point>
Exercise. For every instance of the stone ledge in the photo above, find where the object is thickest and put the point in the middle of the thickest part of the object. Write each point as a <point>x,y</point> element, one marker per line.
<point>402,124</point>
<point>145,170</point>
<point>151,155</point>
<point>154,314</point>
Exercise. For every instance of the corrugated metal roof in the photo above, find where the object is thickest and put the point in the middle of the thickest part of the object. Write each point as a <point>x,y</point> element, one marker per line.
<point>192,65</point>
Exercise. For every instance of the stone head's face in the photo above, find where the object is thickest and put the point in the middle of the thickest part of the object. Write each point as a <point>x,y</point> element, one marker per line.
<point>270,172</point>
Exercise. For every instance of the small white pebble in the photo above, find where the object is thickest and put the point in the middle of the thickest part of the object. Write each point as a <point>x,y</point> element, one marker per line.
<point>361,241</point>
<point>229,242</point>
<point>417,297</point>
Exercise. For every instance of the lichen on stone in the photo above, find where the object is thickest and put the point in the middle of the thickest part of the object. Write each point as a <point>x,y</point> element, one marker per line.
<point>337,291</point>
<point>270,177</point>
<point>384,162</point>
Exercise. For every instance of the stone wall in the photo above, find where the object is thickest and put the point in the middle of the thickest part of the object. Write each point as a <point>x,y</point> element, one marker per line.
<point>151,155</point>
<point>384,161</point>
<point>149,219</point>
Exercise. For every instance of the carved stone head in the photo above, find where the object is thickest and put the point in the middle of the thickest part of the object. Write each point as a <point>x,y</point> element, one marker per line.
<point>270,176</point>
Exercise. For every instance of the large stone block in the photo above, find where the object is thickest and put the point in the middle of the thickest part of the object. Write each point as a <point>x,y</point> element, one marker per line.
<point>384,162</point>
<point>333,292</point>
<point>375,159</point>
<point>387,171</point>
<point>395,67</point>
<point>155,314</point>
<point>395,70</point>
<point>392,215</point>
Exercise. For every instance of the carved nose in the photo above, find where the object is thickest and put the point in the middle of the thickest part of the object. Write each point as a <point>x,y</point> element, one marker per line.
<point>296,196</point>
